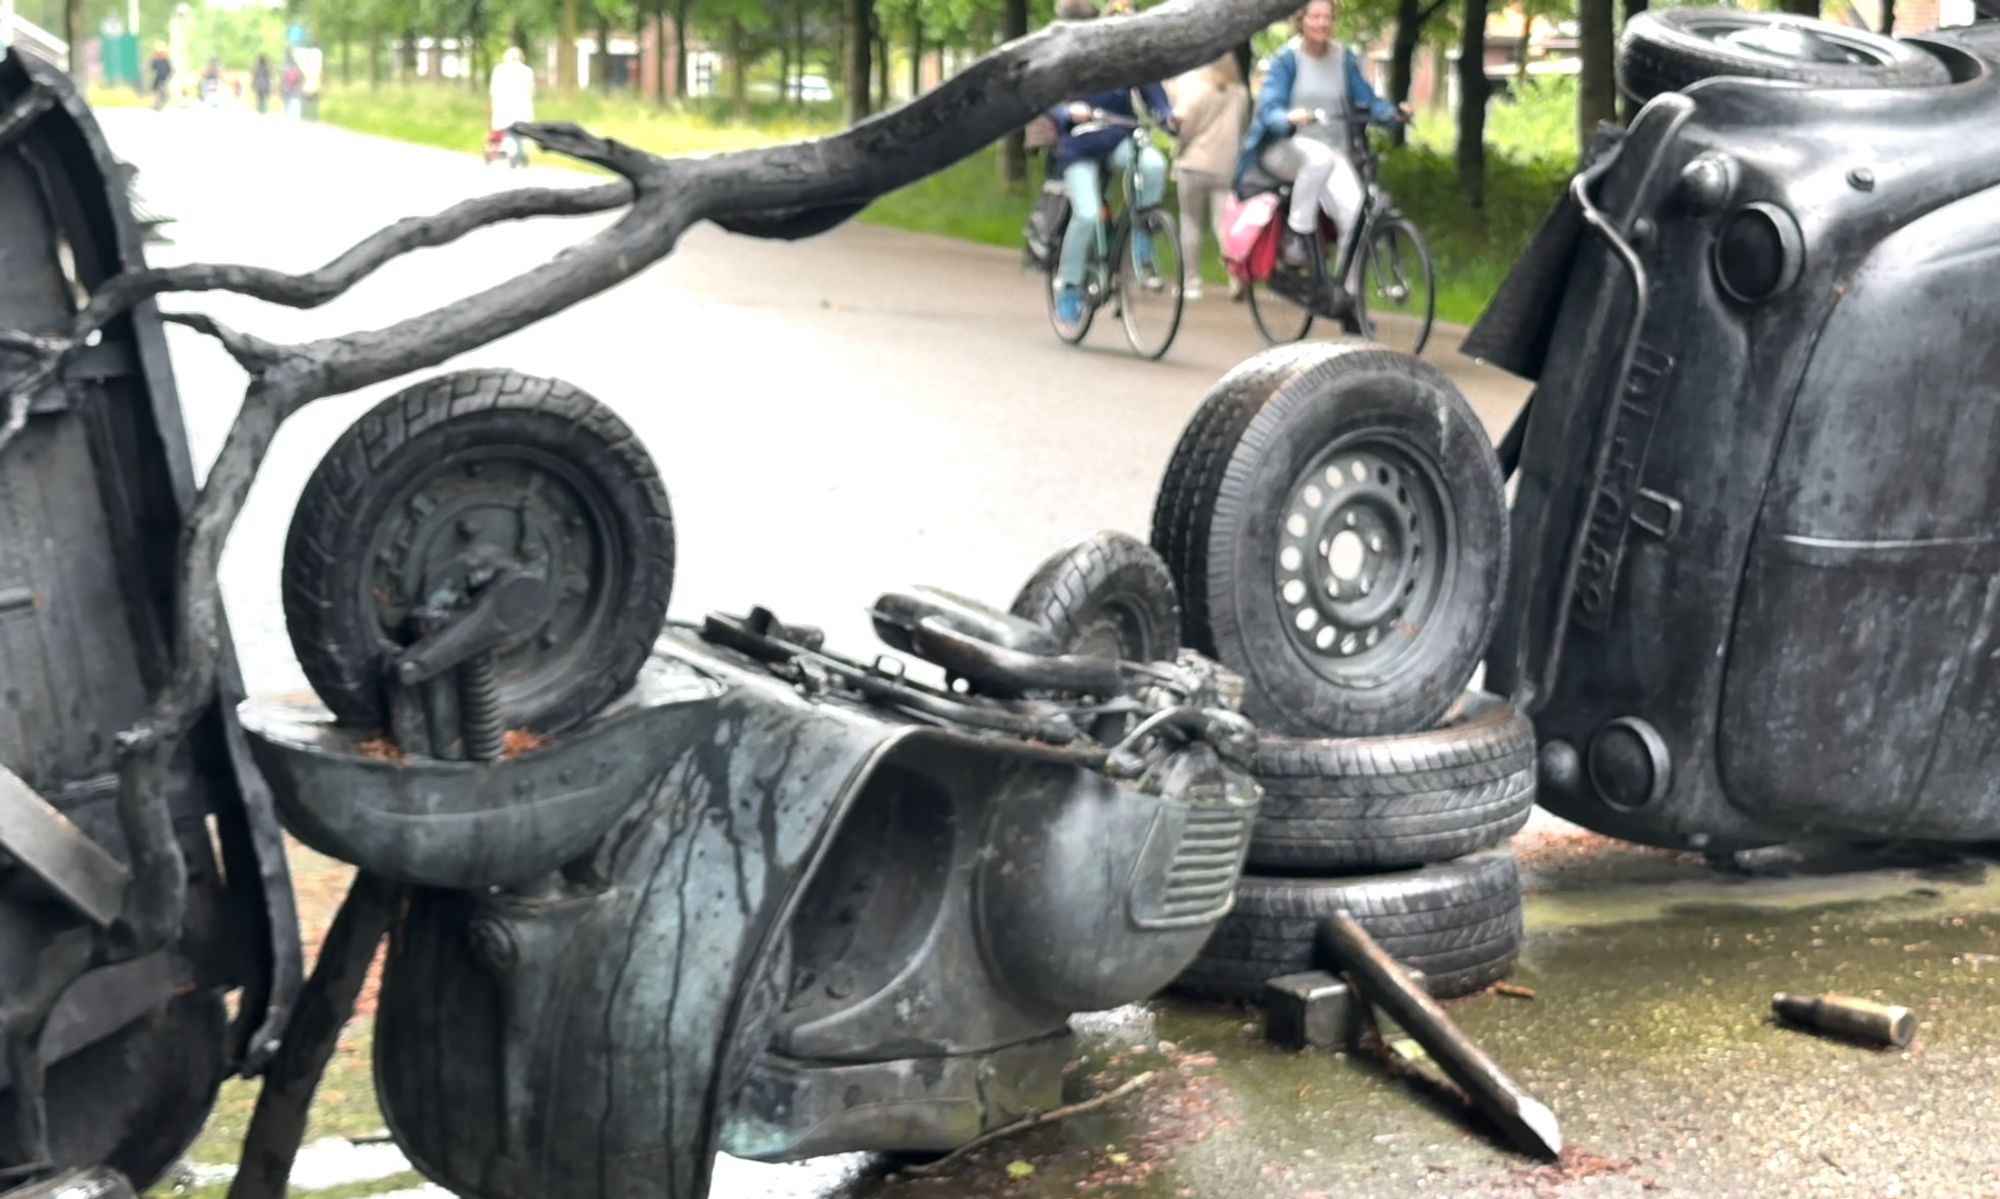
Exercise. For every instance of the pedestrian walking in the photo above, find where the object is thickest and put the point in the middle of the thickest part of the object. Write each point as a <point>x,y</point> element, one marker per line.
<point>260,81</point>
<point>1213,112</point>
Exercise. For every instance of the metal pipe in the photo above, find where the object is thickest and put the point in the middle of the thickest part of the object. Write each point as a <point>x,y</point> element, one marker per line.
<point>1528,1123</point>
<point>1864,1020</point>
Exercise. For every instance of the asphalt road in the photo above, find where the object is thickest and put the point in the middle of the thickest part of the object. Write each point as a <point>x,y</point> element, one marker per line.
<point>833,418</point>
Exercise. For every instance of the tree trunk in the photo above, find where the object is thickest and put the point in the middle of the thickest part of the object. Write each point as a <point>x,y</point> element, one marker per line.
<point>1403,56</point>
<point>1521,51</point>
<point>1014,150</point>
<point>916,52</point>
<point>681,47</point>
<point>374,59</point>
<point>883,100</point>
<point>1888,18</point>
<point>600,62</point>
<point>799,48</point>
<point>72,24</point>
<point>785,68</point>
<point>1472,104</point>
<point>860,71</point>
<point>566,48</point>
<point>436,60</point>
<point>1596,82</point>
<point>739,69</point>
<point>346,60</point>
<point>1800,8</point>
<point>407,60</point>
<point>482,51</point>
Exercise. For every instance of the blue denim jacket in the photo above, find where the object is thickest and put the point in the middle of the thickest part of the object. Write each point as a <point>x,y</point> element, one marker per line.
<point>1098,144</point>
<point>1272,121</point>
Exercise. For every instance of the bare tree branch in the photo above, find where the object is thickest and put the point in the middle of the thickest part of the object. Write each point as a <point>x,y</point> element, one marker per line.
<point>253,354</point>
<point>314,288</point>
<point>776,192</point>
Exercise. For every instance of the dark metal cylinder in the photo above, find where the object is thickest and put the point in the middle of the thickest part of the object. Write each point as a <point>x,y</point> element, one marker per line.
<point>1845,1016</point>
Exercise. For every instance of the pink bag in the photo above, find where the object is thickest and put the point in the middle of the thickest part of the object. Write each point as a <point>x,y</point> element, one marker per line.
<point>1250,237</point>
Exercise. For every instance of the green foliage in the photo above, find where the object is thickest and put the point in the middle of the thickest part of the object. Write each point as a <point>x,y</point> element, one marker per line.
<point>1536,120</point>
<point>235,37</point>
<point>1473,247</point>
<point>454,118</point>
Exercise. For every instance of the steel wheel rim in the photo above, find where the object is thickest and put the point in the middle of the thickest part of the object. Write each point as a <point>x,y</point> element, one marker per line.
<point>1364,558</point>
<point>471,509</point>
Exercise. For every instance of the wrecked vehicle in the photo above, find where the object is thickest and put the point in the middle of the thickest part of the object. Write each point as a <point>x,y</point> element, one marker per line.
<point>632,877</point>
<point>1752,595</point>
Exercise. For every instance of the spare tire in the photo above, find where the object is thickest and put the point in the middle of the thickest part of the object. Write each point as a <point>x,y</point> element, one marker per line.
<point>435,485</point>
<point>1459,923</point>
<point>1666,50</point>
<point>1373,803</point>
<point>1336,524</point>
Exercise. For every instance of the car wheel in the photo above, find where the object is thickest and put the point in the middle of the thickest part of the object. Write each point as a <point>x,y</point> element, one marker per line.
<point>1666,50</point>
<point>1335,521</point>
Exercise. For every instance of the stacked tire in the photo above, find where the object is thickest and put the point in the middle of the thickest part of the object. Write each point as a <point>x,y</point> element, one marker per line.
<point>1335,524</point>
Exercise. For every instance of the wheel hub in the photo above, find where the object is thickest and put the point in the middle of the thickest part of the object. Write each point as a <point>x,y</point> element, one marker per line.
<point>1361,557</point>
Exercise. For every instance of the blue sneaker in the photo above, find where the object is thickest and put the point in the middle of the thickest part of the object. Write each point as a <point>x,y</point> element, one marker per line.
<point>1069,305</point>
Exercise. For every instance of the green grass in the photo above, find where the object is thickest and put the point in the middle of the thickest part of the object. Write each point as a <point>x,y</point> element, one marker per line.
<point>454,118</point>
<point>100,96</point>
<point>1529,157</point>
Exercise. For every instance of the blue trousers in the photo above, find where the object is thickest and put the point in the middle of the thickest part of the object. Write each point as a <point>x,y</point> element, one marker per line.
<point>1086,202</point>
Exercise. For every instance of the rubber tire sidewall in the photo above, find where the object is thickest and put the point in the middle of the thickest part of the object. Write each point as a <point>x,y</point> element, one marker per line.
<point>1659,52</point>
<point>1349,390</point>
<point>1386,803</point>
<point>1459,922</point>
<point>338,646</point>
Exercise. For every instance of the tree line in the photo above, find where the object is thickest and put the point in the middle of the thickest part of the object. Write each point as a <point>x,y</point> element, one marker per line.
<point>852,42</point>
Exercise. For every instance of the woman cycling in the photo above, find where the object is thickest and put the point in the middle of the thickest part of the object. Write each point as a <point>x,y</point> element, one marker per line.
<point>1082,156</point>
<point>1310,75</point>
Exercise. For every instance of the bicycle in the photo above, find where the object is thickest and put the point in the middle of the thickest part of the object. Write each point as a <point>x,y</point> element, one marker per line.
<point>1144,250</point>
<point>1395,303</point>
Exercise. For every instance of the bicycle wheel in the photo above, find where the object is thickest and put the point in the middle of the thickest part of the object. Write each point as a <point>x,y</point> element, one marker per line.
<point>1073,332</point>
<point>1152,283</point>
<point>1397,299</point>
<point>1280,318</point>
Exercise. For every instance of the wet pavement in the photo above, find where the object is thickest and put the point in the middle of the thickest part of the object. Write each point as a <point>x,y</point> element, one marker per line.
<point>869,409</point>
<point>1648,1033</point>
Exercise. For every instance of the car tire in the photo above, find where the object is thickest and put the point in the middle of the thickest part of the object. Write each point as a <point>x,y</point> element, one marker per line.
<point>1374,803</point>
<point>1666,50</point>
<point>474,448</point>
<point>1250,517</point>
<point>1459,922</point>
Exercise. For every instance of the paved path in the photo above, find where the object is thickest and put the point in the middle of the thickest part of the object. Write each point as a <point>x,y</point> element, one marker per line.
<point>833,418</point>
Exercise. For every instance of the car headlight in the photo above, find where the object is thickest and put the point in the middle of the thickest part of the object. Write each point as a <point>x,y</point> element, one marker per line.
<point>1759,252</point>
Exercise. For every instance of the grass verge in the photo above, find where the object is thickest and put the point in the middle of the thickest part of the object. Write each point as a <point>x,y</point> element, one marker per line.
<point>1473,247</point>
